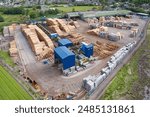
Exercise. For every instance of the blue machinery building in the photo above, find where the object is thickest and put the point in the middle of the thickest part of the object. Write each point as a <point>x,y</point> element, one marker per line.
<point>65,42</point>
<point>87,49</point>
<point>65,56</point>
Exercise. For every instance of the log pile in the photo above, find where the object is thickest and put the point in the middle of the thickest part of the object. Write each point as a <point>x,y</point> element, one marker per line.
<point>103,50</point>
<point>13,49</point>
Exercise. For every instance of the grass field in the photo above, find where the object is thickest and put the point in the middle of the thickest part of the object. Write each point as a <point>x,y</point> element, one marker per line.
<point>76,8</point>
<point>10,89</point>
<point>126,84</point>
<point>9,19</point>
<point>5,56</point>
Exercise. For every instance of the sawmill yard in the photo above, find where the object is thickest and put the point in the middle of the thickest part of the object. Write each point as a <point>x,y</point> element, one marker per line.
<point>41,61</point>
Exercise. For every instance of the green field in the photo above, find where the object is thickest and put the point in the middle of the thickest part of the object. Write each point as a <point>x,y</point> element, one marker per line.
<point>9,19</point>
<point>76,8</point>
<point>10,89</point>
<point>5,56</point>
<point>127,84</point>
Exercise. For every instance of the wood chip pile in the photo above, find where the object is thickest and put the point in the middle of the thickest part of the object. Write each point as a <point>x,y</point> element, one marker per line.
<point>39,41</point>
<point>13,49</point>
<point>103,50</point>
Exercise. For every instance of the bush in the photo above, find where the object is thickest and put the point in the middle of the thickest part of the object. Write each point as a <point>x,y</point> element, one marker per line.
<point>33,14</point>
<point>17,10</point>
<point>1,19</point>
<point>52,11</point>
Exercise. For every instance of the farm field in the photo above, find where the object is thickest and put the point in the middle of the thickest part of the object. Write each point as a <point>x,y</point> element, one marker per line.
<point>5,56</point>
<point>10,89</point>
<point>130,81</point>
<point>76,8</point>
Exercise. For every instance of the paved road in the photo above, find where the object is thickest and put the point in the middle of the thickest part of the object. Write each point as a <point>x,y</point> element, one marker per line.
<point>26,53</point>
<point>102,87</point>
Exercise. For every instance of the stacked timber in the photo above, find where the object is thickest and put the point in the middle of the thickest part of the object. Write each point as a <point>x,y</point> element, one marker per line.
<point>103,50</point>
<point>51,22</point>
<point>94,32</point>
<point>13,49</point>
<point>76,38</point>
<point>115,37</point>
<point>43,37</point>
<point>74,23</point>
<point>56,29</point>
<point>61,26</point>
<point>102,19</point>
<point>40,43</point>
<point>6,31</point>
<point>11,30</point>
<point>103,29</point>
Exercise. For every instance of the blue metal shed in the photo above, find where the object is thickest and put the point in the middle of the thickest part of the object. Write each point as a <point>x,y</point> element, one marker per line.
<point>65,56</point>
<point>54,35</point>
<point>65,42</point>
<point>87,49</point>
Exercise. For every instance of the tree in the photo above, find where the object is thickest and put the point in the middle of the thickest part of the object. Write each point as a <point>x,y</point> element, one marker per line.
<point>33,14</point>
<point>1,19</point>
<point>73,10</point>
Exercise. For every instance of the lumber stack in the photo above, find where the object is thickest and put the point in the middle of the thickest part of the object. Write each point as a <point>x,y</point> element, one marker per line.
<point>61,26</point>
<point>11,30</point>
<point>51,22</point>
<point>94,32</point>
<point>103,28</point>
<point>13,49</point>
<point>43,37</point>
<point>102,19</point>
<point>76,38</point>
<point>74,23</point>
<point>39,41</point>
<point>6,31</point>
<point>103,50</point>
<point>56,29</point>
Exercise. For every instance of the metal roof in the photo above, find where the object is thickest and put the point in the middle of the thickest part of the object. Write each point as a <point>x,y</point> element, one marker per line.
<point>143,14</point>
<point>97,13</point>
<point>63,52</point>
<point>65,42</point>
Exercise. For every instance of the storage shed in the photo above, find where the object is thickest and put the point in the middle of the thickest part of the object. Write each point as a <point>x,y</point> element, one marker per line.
<point>65,56</point>
<point>65,42</point>
<point>87,49</point>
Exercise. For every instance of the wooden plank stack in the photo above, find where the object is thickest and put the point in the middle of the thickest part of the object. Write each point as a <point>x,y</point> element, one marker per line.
<point>60,25</point>
<point>11,30</point>
<point>13,49</point>
<point>74,23</point>
<point>38,40</point>
<point>94,32</point>
<point>103,50</point>
<point>76,38</point>
<point>6,31</point>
